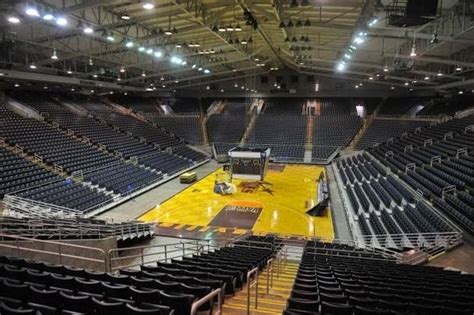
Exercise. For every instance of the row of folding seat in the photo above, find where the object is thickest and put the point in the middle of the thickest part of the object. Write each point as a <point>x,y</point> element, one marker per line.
<point>335,284</point>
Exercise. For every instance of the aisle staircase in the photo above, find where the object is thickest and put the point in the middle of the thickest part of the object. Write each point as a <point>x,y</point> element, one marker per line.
<point>271,302</point>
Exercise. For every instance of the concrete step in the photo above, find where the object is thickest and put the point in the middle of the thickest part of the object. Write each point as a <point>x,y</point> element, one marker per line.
<point>272,301</point>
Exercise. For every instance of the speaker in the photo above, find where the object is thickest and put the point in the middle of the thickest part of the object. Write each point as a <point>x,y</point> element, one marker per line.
<point>419,8</point>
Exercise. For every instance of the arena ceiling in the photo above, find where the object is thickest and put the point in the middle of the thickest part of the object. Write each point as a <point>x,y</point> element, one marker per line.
<point>174,44</point>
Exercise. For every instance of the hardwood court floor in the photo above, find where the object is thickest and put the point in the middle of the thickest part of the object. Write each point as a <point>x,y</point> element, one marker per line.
<point>277,206</point>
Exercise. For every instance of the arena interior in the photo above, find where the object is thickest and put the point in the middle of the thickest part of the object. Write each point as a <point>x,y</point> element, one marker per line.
<point>182,157</point>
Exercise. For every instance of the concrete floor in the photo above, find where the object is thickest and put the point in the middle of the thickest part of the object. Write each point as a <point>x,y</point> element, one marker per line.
<point>339,219</point>
<point>460,258</point>
<point>137,206</point>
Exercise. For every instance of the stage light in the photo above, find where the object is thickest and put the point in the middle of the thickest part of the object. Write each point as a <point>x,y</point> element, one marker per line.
<point>141,49</point>
<point>458,68</point>
<point>200,69</point>
<point>427,78</point>
<point>13,19</point>
<point>122,69</point>
<point>73,89</point>
<point>45,87</point>
<point>222,90</point>
<point>125,16</point>
<point>406,83</point>
<point>208,87</point>
<point>158,54</point>
<point>32,66</point>
<point>69,71</point>
<point>194,66</point>
<point>110,38</point>
<point>184,62</point>
<point>61,21</point>
<point>238,28</point>
<point>439,74</point>
<point>206,71</point>
<point>392,88</point>
<point>168,32</point>
<point>460,92</point>
<point>129,44</point>
<point>371,78</point>
<point>32,12</point>
<point>221,29</point>
<point>95,75</point>
<point>143,74</point>
<point>149,51</point>
<point>16,85</point>
<point>385,69</point>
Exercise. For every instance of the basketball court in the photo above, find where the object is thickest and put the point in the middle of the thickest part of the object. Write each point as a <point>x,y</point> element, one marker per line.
<point>277,204</point>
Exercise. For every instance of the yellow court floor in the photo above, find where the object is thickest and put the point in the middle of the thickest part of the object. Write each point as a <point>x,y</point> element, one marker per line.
<point>276,205</point>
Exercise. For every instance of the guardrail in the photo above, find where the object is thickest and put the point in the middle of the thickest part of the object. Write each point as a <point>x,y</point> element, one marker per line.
<point>207,298</point>
<point>65,253</point>
<point>253,272</point>
<point>62,228</point>
<point>141,255</point>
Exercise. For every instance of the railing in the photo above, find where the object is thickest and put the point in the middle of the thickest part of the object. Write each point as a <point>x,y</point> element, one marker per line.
<point>254,273</point>
<point>206,299</point>
<point>65,253</point>
<point>28,207</point>
<point>140,255</point>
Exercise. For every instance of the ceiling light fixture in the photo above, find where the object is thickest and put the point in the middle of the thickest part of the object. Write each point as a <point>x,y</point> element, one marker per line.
<point>61,21</point>
<point>13,19</point>
<point>148,5</point>
<point>54,56</point>
<point>31,11</point>
<point>129,44</point>
<point>48,17</point>
<point>413,51</point>
<point>88,30</point>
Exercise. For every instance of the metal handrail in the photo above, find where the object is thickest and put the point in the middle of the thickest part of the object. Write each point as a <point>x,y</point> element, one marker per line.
<point>254,272</point>
<point>195,247</point>
<point>59,253</point>
<point>209,297</point>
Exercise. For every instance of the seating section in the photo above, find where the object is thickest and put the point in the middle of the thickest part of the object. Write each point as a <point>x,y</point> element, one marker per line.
<point>227,127</point>
<point>138,104</point>
<point>23,178</point>
<point>223,148</point>
<point>74,229</point>
<point>186,127</point>
<point>437,162</point>
<point>334,125</point>
<point>284,134</point>
<point>447,106</point>
<point>334,279</point>
<point>382,208</point>
<point>159,288</point>
<point>335,130</point>
<point>380,130</point>
<point>401,105</point>
<point>284,106</point>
